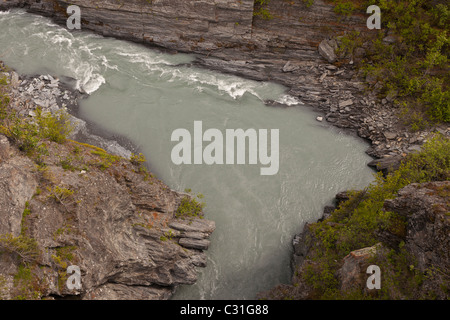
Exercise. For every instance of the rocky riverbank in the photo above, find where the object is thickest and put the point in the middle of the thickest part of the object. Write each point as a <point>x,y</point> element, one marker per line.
<point>71,203</point>
<point>421,241</point>
<point>51,95</point>
<point>297,48</point>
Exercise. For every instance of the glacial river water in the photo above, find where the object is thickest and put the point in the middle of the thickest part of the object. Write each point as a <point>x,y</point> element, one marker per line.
<point>145,95</point>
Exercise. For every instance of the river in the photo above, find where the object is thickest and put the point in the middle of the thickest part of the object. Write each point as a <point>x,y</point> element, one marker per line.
<point>145,95</point>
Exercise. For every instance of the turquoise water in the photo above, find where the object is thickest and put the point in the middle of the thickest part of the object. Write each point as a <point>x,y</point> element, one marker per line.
<point>145,95</point>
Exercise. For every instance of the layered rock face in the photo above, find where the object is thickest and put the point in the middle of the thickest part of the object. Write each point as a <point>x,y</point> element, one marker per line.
<point>190,25</point>
<point>224,28</point>
<point>426,208</point>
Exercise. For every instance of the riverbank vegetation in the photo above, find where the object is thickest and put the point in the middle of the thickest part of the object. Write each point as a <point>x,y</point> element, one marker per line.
<point>408,59</point>
<point>358,222</point>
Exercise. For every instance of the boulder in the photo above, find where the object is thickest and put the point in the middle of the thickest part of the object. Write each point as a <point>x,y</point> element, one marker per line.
<point>386,164</point>
<point>327,51</point>
<point>353,273</point>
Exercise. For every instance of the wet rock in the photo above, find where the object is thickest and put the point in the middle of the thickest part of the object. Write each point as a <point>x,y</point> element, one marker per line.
<point>387,164</point>
<point>342,197</point>
<point>302,244</point>
<point>199,260</point>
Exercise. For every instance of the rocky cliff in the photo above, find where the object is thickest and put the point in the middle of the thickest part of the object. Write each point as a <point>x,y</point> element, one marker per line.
<point>222,28</point>
<point>70,203</point>
<point>296,48</point>
<point>421,242</point>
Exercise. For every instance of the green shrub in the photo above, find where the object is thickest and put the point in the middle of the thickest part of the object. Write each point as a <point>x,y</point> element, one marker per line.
<point>55,127</point>
<point>29,134</point>
<point>60,194</point>
<point>261,10</point>
<point>189,208</point>
<point>107,159</point>
<point>26,248</point>
<point>344,8</point>
<point>137,159</point>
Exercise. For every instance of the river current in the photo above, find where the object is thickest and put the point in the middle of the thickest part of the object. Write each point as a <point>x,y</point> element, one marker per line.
<point>145,95</point>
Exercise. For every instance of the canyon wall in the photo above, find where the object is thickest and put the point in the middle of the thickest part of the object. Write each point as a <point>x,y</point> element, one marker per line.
<point>227,29</point>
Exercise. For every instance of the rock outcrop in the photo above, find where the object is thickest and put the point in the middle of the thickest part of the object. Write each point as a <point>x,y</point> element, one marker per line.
<point>78,205</point>
<point>426,208</point>
<point>425,241</point>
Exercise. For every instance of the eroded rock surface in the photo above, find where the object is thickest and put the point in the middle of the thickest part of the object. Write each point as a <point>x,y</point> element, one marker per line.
<point>116,224</point>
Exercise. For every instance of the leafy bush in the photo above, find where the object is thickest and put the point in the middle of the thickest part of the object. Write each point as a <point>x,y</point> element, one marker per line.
<point>55,127</point>
<point>137,159</point>
<point>26,248</point>
<point>60,194</point>
<point>107,159</point>
<point>344,8</point>
<point>29,134</point>
<point>190,208</point>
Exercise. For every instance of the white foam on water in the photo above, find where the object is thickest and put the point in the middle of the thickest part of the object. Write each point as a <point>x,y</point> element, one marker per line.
<point>94,83</point>
<point>289,100</point>
<point>229,85</point>
<point>232,86</point>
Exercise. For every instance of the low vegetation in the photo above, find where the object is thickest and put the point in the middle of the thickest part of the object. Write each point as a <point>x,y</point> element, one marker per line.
<point>260,10</point>
<point>407,60</point>
<point>26,249</point>
<point>190,207</point>
<point>408,57</point>
<point>357,222</point>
